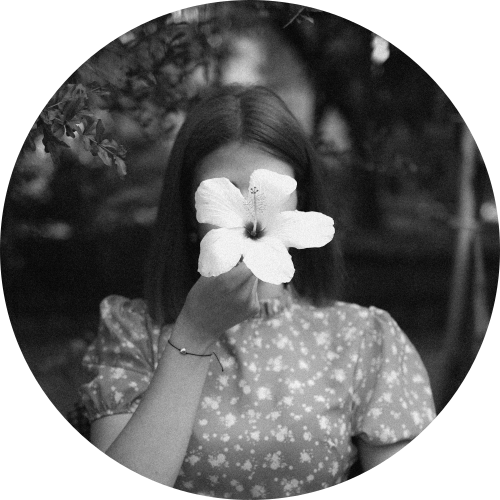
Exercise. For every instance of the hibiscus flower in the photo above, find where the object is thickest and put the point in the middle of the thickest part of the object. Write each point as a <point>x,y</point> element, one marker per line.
<point>256,229</point>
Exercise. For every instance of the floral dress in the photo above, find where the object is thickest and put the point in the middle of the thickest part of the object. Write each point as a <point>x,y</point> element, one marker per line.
<point>298,384</point>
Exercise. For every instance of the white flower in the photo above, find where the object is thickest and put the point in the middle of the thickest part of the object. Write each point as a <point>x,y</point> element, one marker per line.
<point>255,227</point>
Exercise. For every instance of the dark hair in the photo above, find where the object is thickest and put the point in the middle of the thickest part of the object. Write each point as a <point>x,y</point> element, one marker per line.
<point>250,115</point>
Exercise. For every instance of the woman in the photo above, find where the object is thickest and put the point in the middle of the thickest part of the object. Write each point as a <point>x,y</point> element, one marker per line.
<point>309,384</point>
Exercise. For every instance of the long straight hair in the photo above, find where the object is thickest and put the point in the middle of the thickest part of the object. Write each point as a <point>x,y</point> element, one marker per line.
<point>233,114</point>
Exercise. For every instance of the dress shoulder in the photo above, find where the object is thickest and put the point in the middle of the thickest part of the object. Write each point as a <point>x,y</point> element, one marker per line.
<point>392,393</point>
<point>121,359</point>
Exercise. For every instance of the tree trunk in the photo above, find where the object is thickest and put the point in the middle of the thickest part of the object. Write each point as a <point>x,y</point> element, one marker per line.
<point>459,306</point>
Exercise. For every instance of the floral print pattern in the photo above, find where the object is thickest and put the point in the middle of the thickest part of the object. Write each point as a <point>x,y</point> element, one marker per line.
<point>298,384</point>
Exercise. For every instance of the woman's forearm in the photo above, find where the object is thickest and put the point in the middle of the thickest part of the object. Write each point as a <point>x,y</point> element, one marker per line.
<point>154,441</point>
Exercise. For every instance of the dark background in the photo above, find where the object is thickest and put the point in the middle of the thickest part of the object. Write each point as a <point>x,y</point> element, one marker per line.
<point>394,147</point>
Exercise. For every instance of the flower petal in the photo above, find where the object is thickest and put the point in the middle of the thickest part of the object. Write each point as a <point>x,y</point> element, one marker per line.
<point>302,229</point>
<point>220,251</point>
<point>269,260</point>
<point>271,190</point>
<point>220,203</point>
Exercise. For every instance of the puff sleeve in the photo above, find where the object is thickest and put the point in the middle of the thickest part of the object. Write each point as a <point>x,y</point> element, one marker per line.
<point>121,359</point>
<point>392,396</point>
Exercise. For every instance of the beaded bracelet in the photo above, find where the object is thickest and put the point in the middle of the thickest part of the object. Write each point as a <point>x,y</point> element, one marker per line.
<point>185,353</point>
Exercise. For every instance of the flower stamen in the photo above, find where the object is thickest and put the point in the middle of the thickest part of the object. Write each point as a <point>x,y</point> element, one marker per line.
<point>253,192</point>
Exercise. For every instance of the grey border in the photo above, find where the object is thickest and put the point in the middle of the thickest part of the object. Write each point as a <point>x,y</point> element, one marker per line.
<point>43,44</point>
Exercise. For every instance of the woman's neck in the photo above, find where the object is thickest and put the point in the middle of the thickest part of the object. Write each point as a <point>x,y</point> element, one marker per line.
<point>266,291</point>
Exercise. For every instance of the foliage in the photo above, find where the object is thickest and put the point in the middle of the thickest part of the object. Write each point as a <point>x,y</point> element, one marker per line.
<point>151,64</point>
<point>71,114</point>
<point>134,92</point>
<point>151,74</point>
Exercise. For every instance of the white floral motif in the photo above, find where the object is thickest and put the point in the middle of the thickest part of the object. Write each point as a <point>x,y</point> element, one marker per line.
<point>415,415</point>
<point>264,393</point>
<point>217,461</point>
<point>324,423</point>
<point>274,460</point>
<point>258,491</point>
<point>229,420</point>
<point>339,375</point>
<point>192,459</point>
<point>212,403</point>
<point>289,486</point>
<point>334,468</point>
<point>117,373</point>
<point>282,433</point>
<point>274,415</point>
<point>294,386</point>
<point>387,434</point>
<point>391,377</point>
<point>227,362</point>
<point>375,412</point>
<point>322,338</point>
<point>282,342</point>
<point>386,397</point>
<point>275,364</point>
<point>303,365</point>
<point>255,435</point>
<point>247,465</point>
<point>237,485</point>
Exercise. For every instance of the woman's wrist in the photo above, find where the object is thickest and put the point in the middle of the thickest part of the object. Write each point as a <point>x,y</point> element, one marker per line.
<point>191,337</point>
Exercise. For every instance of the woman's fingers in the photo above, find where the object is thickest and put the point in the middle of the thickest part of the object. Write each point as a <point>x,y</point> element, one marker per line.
<point>247,287</point>
<point>215,304</point>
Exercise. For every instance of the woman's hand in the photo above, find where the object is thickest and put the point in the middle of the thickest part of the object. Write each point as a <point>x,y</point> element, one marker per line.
<point>214,305</point>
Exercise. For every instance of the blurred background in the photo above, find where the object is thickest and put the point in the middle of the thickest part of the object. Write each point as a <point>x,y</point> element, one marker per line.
<point>417,219</point>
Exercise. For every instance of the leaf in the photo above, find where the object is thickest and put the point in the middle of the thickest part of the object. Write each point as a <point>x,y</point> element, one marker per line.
<point>120,165</point>
<point>99,131</point>
<point>54,152</point>
<point>86,142</point>
<point>89,125</point>
<point>58,129</point>
<point>49,137</point>
<point>71,107</point>
<point>109,145</point>
<point>75,125</point>
<point>80,90</point>
<point>105,157</point>
<point>70,132</point>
